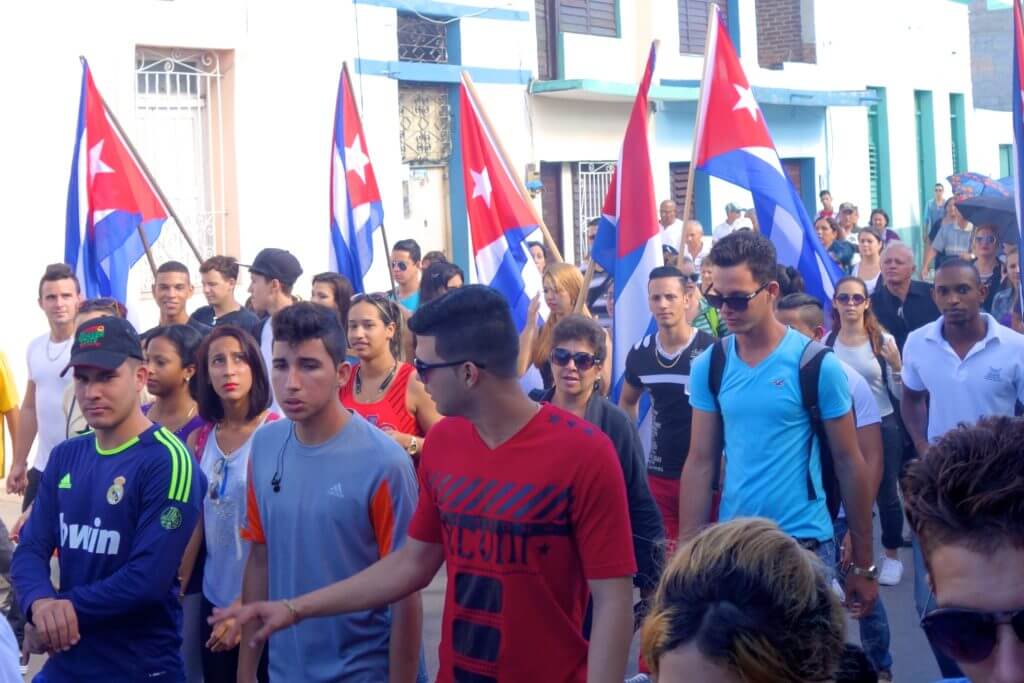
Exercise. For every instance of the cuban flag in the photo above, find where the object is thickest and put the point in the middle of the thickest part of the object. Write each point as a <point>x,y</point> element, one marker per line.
<point>110,199</point>
<point>1018,125</point>
<point>628,241</point>
<point>500,220</point>
<point>356,209</point>
<point>733,144</point>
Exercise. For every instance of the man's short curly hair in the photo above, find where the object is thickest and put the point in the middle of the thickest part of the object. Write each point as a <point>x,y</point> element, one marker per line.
<point>968,490</point>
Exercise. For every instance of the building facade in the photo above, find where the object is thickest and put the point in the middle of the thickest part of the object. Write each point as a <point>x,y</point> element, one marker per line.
<point>231,104</point>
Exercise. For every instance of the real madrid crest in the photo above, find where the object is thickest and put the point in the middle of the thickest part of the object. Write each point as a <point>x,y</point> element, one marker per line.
<point>115,494</point>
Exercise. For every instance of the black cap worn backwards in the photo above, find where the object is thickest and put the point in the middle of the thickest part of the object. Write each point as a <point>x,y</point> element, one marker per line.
<point>277,264</point>
<point>106,343</point>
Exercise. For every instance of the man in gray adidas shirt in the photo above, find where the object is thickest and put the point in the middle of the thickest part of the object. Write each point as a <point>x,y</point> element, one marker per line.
<point>329,495</point>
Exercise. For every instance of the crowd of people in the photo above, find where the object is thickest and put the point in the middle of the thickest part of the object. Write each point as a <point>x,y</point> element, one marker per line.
<point>259,491</point>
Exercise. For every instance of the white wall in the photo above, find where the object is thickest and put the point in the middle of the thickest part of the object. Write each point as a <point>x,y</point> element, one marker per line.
<point>287,57</point>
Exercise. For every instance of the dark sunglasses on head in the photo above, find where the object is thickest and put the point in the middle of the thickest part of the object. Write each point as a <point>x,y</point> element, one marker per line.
<point>378,301</point>
<point>737,302</point>
<point>969,635</point>
<point>583,361</point>
<point>855,299</point>
<point>423,368</point>
<point>401,265</point>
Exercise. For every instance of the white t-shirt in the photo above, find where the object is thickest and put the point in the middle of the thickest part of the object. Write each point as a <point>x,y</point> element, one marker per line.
<point>267,350</point>
<point>862,359</point>
<point>871,283</point>
<point>46,360</point>
<point>673,234</point>
<point>865,410</point>
<point>720,231</point>
<point>988,382</point>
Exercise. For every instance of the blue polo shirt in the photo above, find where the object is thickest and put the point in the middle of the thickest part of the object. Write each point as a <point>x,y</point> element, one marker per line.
<point>768,435</point>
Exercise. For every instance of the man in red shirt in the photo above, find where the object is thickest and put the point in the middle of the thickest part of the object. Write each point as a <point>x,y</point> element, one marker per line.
<point>524,503</point>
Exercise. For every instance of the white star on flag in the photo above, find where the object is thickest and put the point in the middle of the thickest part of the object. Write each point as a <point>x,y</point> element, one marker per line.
<point>481,186</point>
<point>355,160</point>
<point>745,101</point>
<point>96,165</point>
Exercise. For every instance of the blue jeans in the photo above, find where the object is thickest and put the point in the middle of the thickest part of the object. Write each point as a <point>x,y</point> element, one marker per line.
<point>422,676</point>
<point>925,601</point>
<point>874,626</point>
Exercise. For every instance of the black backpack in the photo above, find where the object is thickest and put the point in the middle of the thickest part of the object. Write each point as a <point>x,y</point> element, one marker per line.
<point>810,371</point>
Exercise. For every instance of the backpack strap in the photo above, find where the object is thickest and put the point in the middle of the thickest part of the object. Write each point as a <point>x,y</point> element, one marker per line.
<point>715,374</point>
<point>202,436</point>
<point>810,373</point>
<point>830,340</point>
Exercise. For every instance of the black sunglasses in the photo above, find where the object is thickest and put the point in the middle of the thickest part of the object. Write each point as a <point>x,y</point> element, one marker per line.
<point>583,361</point>
<point>969,635</point>
<point>986,239</point>
<point>692,278</point>
<point>855,299</point>
<point>401,265</point>
<point>738,302</point>
<point>423,368</point>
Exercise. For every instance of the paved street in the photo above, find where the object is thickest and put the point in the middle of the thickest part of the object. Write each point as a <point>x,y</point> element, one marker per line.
<point>913,659</point>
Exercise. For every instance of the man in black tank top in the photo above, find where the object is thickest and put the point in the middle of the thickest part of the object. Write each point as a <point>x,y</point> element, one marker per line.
<point>660,363</point>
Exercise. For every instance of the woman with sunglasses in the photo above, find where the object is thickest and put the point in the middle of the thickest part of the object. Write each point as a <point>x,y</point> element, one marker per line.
<point>986,250</point>
<point>438,278</point>
<point>563,284</point>
<point>578,354</point>
<point>1006,302</point>
<point>233,393</point>
<point>869,269</point>
<point>859,339</point>
<point>381,388</point>
<point>334,291</point>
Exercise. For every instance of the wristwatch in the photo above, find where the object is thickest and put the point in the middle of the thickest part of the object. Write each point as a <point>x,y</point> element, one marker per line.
<point>871,573</point>
<point>414,446</point>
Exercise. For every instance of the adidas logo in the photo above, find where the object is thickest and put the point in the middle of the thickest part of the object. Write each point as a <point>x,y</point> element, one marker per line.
<point>336,491</point>
<point>65,482</point>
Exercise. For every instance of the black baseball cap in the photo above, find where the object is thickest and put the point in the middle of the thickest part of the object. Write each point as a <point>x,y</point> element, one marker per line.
<point>105,342</point>
<point>277,264</point>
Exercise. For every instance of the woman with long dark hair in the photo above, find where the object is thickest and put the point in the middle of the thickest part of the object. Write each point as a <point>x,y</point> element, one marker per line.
<point>171,358</point>
<point>233,392</point>
<point>859,340</point>
<point>438,278</point>
<point>381,388</point>
<point>333,290</point>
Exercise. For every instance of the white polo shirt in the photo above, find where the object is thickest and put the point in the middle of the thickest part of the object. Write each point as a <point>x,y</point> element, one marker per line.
<point>987,382</point>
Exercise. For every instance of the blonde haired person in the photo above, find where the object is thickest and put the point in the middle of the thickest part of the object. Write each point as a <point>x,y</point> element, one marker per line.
<point>742,602</point>
<point>563,284</point>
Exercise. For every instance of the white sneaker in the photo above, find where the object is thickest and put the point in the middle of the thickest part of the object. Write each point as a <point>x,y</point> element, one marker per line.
<point>891,573</point>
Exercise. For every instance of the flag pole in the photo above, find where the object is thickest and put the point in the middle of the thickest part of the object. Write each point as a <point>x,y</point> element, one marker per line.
<point>688,203</point>
<point>467,81</point>
<point>347,79</point>
<point>156,188</point>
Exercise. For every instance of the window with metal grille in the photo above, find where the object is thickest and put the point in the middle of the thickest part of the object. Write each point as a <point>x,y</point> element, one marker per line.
<point>590,181</point>
<point>425,118</point>
<point>421,39</point>
<point>593,17</point>
<point>182,131</point>
<point>693,24</point>
<point>873,177</point>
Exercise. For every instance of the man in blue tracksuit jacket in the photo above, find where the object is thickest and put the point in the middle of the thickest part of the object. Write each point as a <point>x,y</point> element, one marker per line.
<point>119,506</point>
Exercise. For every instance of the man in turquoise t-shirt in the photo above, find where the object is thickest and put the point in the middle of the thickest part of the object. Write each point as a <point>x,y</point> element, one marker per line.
<point>772,461</point>
<point>405,268</point>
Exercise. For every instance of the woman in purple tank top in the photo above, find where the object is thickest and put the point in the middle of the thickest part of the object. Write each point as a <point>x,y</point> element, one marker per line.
<point>171,360</point>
